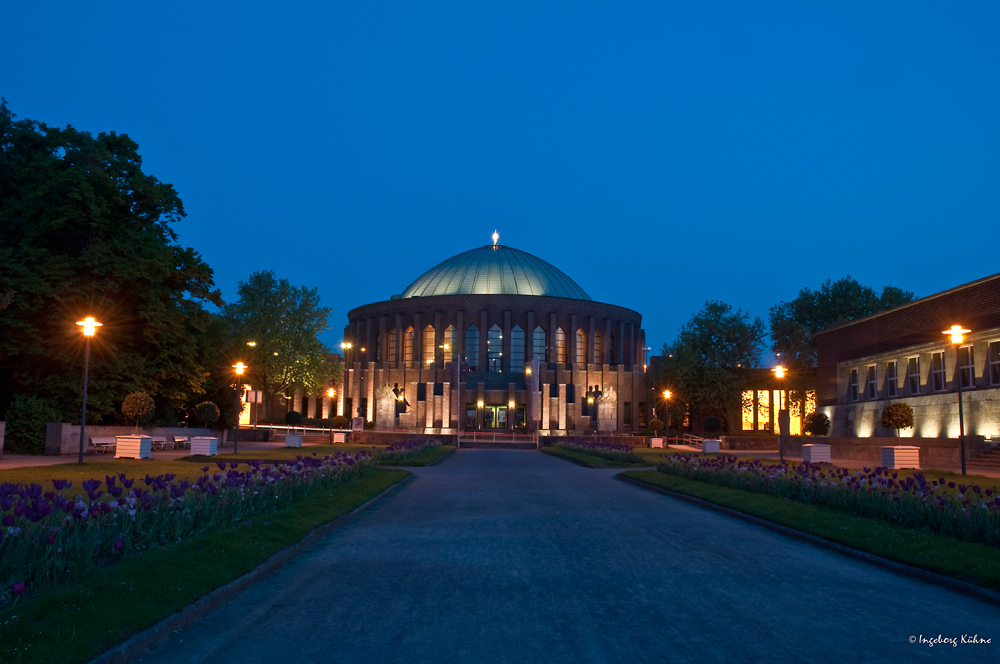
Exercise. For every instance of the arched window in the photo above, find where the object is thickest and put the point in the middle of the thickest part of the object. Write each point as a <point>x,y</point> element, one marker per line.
<point>611,351</point>
<point>429,345</point>
<point>598,348</point>
<point>538,342</point>
<point>450,339</point>
<point>517,349</point>
<point>560,346</point>
<point>378,347</point>
<point>472,347</point>
<point>392,346</point>
<point>408,346</point>
<point>581,347</point>
<point>494,350</point>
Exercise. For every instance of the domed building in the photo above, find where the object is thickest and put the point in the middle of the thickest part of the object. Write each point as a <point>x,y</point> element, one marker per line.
<point>495,338</point>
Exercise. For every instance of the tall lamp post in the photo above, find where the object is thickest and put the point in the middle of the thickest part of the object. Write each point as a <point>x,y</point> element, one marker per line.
<point>89,328</point>
<point>666,414</point>
<point>239,366</point>
<point>779,373</point>
<point>957,334</point>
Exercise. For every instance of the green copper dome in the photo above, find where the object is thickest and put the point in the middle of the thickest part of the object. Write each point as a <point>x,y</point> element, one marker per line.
<point>494,270</point>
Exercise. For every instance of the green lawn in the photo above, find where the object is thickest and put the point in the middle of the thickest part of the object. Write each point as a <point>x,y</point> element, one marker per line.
<point>78,621</point>
<point>975,563</point>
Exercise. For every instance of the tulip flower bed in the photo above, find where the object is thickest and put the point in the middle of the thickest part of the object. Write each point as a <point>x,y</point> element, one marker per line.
<point>405,450</point>
<point>609,451</point>
<point>969,513</point>
<point>48,538</point>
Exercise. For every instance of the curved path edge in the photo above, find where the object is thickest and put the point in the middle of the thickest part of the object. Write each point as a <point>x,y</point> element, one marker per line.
<point>948,582</point>
<point>138,643</point>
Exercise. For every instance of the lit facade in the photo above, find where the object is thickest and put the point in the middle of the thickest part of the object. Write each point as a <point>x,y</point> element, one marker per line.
<point>495,338</point>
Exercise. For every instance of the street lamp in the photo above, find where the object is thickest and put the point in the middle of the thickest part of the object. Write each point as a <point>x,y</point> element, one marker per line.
<point>239,366</point>
<point>779,373</point>
<point>479,421</point>
<point>666,414</point>
<point>89,328</point>
<point>957,334</point>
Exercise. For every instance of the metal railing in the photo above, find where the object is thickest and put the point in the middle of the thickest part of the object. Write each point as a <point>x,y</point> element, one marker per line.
<point>498,436</point>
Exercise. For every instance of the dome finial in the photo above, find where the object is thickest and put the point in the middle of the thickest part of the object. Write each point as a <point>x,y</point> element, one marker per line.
<point>495,236</point>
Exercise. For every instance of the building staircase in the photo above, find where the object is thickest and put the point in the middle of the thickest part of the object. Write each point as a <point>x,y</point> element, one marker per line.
<point>988,460</point>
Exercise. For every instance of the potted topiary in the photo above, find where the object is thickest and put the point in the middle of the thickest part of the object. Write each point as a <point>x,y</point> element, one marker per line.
<point>816,424</point>
<point>208,414</point>
<point>897,416</point>
<point>656,426</point>
<point>136,407</point>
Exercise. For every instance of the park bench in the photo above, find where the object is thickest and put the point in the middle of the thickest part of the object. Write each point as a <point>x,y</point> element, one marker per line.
<point>102,444</point>
<point>182,441</point>
<point>161,443</point>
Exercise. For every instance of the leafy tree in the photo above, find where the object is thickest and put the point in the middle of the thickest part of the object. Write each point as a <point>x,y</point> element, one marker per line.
<point>794,324</point>
<point>26,418</point>
<point>137,407</point>
<point>84,231</point>
<point>897,416</point>
<point>707,359</point>
<point>294,418</point>
<point>656,425</point>
<point>816,423</point>
<point>711,425</point>
<point>339,422</point>
<point>207,413</point>
<point>283,322</point>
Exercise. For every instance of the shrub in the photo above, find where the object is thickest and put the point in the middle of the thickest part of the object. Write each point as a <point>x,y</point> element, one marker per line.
<point>294,418</point>
<point>656,426</point>
<point>137,408</point>
<point>897,416</point>
<point>339,422</point>
<point>711,425</point>
<point>26,419</point>
<point>207,413</point>
<point>816,424</point>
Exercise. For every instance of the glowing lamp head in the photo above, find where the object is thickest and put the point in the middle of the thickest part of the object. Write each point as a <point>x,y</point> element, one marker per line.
<point>346,345</point>
<point>590,399</point>
<point>330,392</point>
<point>527,370</point>
<point>957,334</point>
<point>89,326</point>
<point>666,394</point>
<point>239,366</point>
<point>479,404</point>
<point>779,371</point>
<point>510,404</point>
<point>251,343</point>
<point>401,397</point>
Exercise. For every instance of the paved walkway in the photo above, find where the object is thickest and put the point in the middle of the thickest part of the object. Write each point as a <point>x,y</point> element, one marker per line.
<point>516,556</point>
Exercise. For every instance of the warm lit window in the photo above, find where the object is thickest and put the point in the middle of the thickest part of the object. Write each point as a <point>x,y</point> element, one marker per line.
<point>560,346</point>
<point>581,347</point>
<point>472,347</point>
<point>450,340</point>
<point>966,367</point>
<point>937,371</point>
<point>852,386</point>
<point>871,384</point>
<point>517,349</point>
<point>747,410</point>
<point>598,348</point>
<point>494,347</point>
<point>392,346</point>
<point>891,380</point>
<point>994,352</point>
<point>913,375</point>
<point>408,346</point>
<point>538,343</point>
<point>764,410</point>
<point>429,345</point>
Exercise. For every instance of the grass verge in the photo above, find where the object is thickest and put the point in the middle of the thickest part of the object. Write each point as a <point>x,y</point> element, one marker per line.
<point>650,457</point>
<point>78,621</point>
<point>426,458</point>
<point>965,561</point>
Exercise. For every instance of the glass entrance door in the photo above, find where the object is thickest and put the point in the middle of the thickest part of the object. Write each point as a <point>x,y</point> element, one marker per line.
<point>495,417</point>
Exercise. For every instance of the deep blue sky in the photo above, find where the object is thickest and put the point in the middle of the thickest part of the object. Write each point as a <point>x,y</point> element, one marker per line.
<point>661,154</point>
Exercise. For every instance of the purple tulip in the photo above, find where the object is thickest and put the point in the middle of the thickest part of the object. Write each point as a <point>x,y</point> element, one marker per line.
<point>118,544</point>
<point>17,589</point>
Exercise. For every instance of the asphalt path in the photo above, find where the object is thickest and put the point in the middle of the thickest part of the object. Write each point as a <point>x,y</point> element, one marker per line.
<point>516,556</point>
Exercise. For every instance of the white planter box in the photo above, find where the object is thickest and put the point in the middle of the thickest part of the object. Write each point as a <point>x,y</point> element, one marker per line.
<point>710,445</point>
<point>340,437</point>
<point>134,447</point>
<point>816,453</point>
<point>293,440</point>
<point>204,445</point>
<point>656,442</point>
<point>901,456</point>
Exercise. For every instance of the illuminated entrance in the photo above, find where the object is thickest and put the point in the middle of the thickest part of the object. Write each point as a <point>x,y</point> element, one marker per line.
<point>495,417</point>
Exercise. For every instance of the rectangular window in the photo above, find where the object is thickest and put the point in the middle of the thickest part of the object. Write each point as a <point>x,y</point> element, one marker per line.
<point>937,372</point>
<point>642,414</point>
<point>994,351</point>
<point>627,415</point>
<point>871,384</point>
<point>891,380</point>
<point>747,410</point>
<point>763,410</point>
<point>966,367</point>
<point>852,386</point>
<point>913,375</point>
